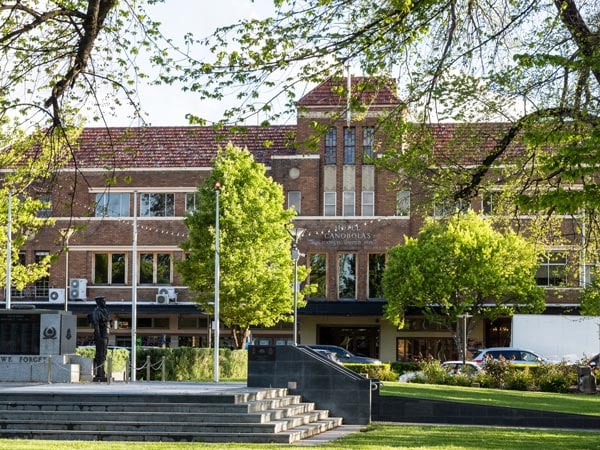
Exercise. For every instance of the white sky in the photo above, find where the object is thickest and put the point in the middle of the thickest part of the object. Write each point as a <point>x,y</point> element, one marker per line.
<point>168,105</point>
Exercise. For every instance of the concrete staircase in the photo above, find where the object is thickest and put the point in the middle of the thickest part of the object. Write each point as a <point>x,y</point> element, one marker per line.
<point>259,416</point>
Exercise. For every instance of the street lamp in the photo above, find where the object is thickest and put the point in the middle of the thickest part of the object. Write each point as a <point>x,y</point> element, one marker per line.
<point>217,282</point>
<point>296,234</point>
<point>66,234</point>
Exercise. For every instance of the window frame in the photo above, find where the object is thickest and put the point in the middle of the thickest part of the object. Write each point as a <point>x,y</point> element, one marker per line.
<point>349,145</point>
<point>103,204</point>
<point>329,206</point>
<point>368,145</point>
<point>110,272</point>
<point>349,203</point>
<point>343,259</point>
<point>368,207</point>
<point>295,203</point>
<point>330,152</point>
<point>168,202</point>
<point>156,278</point>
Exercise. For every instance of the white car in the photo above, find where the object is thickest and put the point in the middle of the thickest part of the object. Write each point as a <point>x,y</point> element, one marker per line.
<point>452,367</point>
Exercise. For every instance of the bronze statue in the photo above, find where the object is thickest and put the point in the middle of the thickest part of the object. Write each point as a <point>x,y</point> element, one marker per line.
<point>100,321</point>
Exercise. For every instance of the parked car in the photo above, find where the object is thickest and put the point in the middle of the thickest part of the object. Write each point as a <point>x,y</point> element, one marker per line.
<point>327,354</point>
<point>513,355</point>
<point>593,361</point>
<point>344,356</point>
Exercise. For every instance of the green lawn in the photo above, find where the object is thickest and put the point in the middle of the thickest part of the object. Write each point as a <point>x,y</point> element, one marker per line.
<point>544,401</point>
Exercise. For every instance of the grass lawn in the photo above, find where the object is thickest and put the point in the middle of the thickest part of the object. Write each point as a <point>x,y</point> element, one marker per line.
<point>544,401</point>
<point>376,436</point>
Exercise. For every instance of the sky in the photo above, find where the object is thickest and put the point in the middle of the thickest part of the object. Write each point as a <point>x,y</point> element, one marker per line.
<point>168,105</point>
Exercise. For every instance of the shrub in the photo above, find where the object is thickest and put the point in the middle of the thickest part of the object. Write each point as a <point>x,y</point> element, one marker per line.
<point>381,372</point>
<point>434,373</point>
<point>497,372</point>
<point>518,379</point>
<point>556,377</point>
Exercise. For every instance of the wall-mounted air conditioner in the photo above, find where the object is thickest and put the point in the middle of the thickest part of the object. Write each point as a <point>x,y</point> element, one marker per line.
<point>162,299</point>
<point>77,289</point>
<point>169,291</point>
<point>56,295</point>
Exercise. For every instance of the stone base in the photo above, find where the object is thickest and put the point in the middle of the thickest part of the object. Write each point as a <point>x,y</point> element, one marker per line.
<point>37,368</point>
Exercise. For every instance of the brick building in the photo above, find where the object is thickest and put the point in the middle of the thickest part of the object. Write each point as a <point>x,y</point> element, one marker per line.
<point>350,214</point>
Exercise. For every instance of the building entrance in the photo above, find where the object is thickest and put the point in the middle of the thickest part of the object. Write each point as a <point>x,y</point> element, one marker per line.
<point>362,341</point>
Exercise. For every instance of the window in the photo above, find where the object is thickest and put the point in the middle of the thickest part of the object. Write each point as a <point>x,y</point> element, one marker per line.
<point>347,275</point>
<point>295,200</point>
<point>190,202</point>
<point>403,203</point>
<point>157,205</point>
<point>588,274</point>
<point>109,268</point>
<point>318,274</point>
<point>552,270</point>
<point>155,268</point>
<point>489,202</point>
<point>42,285</point>
<point>349,145</point>
<point>330,146</point>
<point>368,203</point>
<point>368,134</point>
<point>329,207</point>
<point>112,205</point>
<point>450,207</point>
<point>46,209</point>
<point>376,268</point>
<point>348,207</point>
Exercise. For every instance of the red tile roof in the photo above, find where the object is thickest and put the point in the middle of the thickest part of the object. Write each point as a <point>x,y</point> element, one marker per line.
<point>333,92</point>
<point>149,147</point>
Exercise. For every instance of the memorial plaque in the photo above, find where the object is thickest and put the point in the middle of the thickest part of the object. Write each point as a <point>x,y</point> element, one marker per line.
<point>19,334</point>
<point>261,353</point>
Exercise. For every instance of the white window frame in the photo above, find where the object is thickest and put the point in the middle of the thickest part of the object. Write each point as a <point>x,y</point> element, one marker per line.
<point>349,205</point>
<point>295,201</point>
<point>403,203</point>
<point>104,200</point>
<point>368,203</point>
<point>330,203</point>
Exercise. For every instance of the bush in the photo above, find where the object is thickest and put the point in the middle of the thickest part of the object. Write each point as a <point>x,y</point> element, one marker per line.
<point>434,373</point>
<point>401,367</point>
<point>518,379</point>
<point>118,356</point>
<point>381,372</point>
<point>555,377</point>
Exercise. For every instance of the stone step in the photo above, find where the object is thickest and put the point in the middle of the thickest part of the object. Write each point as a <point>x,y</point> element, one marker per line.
<point>168,416</point>
<point>185,407</point>
<point>288,436</point>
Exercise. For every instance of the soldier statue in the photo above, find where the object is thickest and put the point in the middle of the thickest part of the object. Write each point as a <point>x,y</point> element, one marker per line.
<point>100,321</point>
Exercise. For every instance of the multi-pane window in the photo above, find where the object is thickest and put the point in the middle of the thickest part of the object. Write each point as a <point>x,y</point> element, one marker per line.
<point>46,210</point>
<point>157,205</point>
<point>346,275</point>
<point>109,268</point>
<point>329,204</point>
<point>190,202</point>
<point>349,145</point>
<point>330,146</point>
<point>368,135</point>
<point>295,201</point>
<point>552,270</point>
<point>42,285</point>
<point>368,203</point>
<point>376,268</point>
<point>403,203</point>
<point>489,202</point>
<point>110,204</point>
<point>588,274</point>
<point>447,208</point>
<point>318,274</point>
<point>155,268</point>
<point>348,206</point>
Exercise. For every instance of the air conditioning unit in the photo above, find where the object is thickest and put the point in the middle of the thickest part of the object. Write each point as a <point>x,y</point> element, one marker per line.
<point>162,299</point>
<point>56,295</point>
<point>77,289</point>
<point>169,291</point>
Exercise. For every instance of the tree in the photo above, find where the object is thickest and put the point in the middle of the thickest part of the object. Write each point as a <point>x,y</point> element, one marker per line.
<point>256,271</point>
<point>534,65</point>
<point>461,265</point>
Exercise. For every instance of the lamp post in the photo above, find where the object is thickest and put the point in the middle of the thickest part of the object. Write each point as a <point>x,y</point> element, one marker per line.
<point>217,282</point>
<point>296,234</point>
<point>66,234</point>
<point>464,318</point>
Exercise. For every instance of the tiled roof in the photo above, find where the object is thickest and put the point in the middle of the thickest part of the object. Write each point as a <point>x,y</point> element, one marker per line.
<point>470,143</point>
<point>333,92</point>
<point>150,147</point>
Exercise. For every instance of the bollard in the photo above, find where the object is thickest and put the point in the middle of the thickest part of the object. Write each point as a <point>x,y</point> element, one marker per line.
<point>50,369</point>
<point>163,370</point>
<point>148,368</point>
<point>109,367</point>
<point>126,378</point>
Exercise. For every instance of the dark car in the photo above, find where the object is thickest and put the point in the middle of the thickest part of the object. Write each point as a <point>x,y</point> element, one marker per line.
<point>344,356</point>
